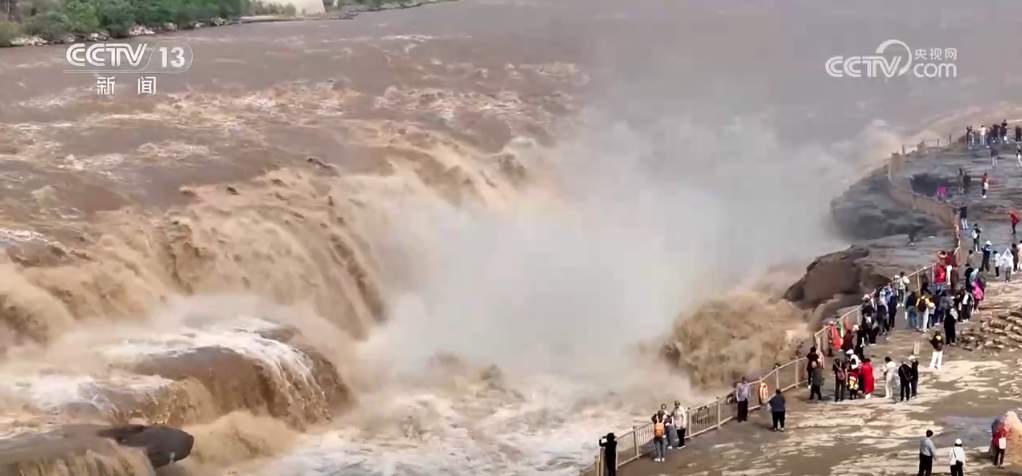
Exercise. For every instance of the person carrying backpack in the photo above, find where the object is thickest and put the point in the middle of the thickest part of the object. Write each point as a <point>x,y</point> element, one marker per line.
<point>660,434</point>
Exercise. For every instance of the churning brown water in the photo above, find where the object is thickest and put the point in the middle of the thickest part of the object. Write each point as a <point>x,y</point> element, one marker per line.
<point>429,241</point>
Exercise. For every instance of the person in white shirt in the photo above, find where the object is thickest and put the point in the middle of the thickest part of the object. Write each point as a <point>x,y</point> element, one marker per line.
<point>956,459</point>
<point>680,417</point>
<point>890,378</point>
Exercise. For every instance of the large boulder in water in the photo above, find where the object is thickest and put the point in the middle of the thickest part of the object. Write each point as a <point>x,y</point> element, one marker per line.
<point>162,445</point>
<point>94,450</point>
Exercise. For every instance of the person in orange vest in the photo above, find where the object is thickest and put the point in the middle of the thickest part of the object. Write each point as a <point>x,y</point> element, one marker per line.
<point>1013,216</point>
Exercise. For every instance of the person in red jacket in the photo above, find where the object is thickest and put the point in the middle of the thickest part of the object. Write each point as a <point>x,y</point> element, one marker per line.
<point>866,374</point>
<point>1014,220</point>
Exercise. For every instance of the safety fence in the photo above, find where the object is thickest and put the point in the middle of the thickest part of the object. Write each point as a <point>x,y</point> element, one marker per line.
<point>701,419</point>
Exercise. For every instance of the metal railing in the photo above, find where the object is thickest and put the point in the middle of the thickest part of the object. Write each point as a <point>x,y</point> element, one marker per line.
<point>701,419</point>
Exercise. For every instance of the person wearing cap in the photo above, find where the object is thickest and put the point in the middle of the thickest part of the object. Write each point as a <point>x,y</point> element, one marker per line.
<point>956,458</point>
<point>926,452</point>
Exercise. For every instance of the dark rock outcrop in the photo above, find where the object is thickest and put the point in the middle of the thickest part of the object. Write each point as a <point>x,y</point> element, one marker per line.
<point>94,450</point>
<point>866,211</point>
<point>162,445</point>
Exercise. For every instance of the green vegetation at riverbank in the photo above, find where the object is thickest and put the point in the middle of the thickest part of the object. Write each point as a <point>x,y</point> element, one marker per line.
<point>55,20</point>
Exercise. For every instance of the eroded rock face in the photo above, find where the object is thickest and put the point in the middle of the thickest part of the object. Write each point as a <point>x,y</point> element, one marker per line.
<point>828,276</point>
<point>866,211</point>
<point>93,450</point>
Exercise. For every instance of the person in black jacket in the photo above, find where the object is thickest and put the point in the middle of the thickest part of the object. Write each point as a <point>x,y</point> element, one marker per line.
<point>815,381</point>
<point>937,359</point>
<point>905,379</point>
<point>777,410</point>
<point>609,445</point>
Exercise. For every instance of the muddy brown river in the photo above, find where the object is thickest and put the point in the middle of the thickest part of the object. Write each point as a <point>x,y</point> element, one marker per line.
<point>435,240</point>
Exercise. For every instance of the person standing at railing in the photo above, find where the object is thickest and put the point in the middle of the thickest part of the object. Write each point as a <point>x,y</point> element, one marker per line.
<point>912,309</point>
<point>1018,133</point>
<point>1016,248</point>
<point>777,409</point>
<point>680,418</point>
<point>901,283</point>
<point>1004,131</point>
<point>1018,155</point>
<point>811,358</point>
<point>815,381</point>
<point>963,216</point>
<point>609,445</point>
<point>660,434</point>
<point>840,369</point>
<point>669,428</point>
<point>985,182</point>
<point>742,391</point>
<point>1013,217</point>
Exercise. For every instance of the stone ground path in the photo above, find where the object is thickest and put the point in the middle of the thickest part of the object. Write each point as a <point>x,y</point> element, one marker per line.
<point>876,436</point>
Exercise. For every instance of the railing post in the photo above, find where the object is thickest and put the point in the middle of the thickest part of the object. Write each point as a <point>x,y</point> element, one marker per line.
<point>777,380</point>
<point>635,441</point>
<point>797,366</point>
<point>718,413</point>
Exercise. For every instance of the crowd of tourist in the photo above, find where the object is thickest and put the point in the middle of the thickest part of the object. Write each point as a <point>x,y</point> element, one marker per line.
<point>935,304</point>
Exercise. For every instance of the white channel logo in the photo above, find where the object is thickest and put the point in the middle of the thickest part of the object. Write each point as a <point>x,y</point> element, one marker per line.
<point>128,58</point>
<point>894,58</point>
